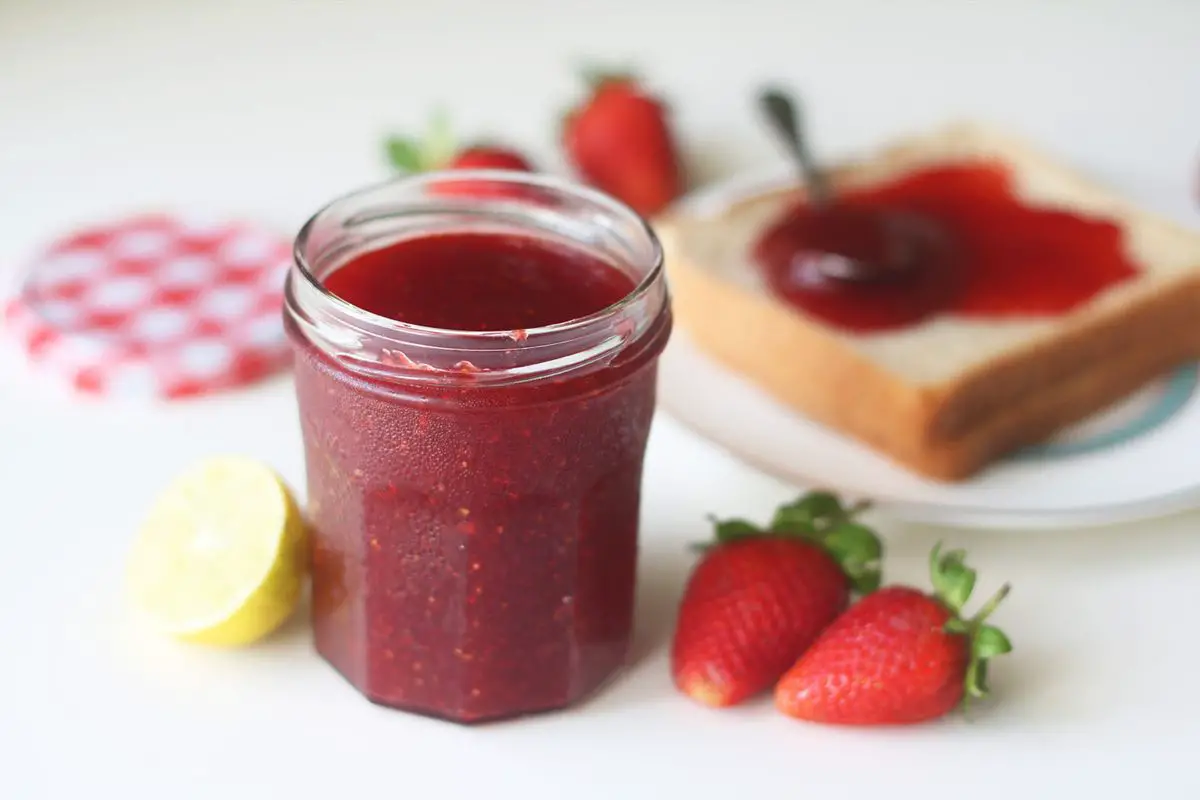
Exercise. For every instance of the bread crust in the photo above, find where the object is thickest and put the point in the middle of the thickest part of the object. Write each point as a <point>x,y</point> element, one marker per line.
<point>951,429</point>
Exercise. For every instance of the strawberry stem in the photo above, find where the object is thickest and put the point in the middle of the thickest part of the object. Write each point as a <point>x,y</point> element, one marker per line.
<point>995,600</point>
<point>953,581</point>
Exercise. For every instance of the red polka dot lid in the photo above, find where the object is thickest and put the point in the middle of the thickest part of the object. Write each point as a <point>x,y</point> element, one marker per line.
<point>156,306</point>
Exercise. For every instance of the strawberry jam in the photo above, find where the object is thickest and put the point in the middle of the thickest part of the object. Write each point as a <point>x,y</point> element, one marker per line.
<point>474,482</point>
<point>942,240</point>
<point>479,282</point>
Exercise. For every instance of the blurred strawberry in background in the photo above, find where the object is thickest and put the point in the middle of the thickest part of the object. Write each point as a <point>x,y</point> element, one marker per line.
<point>619,139</point>
<point>439,149</point>
<point>490,157</point>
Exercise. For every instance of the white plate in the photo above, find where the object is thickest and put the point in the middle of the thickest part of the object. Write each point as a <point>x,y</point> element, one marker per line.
<point>1137,460</point>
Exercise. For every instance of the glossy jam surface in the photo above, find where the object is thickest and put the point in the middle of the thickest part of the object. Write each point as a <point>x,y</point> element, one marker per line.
<point>968,246</point>
<point>479,282</point>
<point>475,546</point>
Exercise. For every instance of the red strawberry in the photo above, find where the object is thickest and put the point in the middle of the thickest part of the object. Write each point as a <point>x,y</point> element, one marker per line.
<point>899,655</point>
<point>485,157</point>
<point>490,157</point>
<point>758,598</point>
<point>619,140</point>
<point>437,151</point>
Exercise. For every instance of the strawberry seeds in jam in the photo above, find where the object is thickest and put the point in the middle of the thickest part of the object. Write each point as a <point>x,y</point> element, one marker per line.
<point>475,541</point>
<point>942,240</point>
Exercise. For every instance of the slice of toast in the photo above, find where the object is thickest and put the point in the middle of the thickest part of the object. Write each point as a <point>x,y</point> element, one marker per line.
<point>947,396</point>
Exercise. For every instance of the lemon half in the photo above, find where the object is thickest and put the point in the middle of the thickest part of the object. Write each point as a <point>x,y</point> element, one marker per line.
<point>221,557</point>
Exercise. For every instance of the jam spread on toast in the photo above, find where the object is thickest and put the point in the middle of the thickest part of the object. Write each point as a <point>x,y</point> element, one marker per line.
<point>950,239</point>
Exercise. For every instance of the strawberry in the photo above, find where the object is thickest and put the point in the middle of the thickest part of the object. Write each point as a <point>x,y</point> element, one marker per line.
<point>485,157</point>
<point>899,655</point>
<point>758,598</point>
<point>437,151</point>
<point>619,140</point>
<point>490,157</point>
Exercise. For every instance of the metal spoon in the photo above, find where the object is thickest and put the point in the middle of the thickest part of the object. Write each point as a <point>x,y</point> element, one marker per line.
<point>781,112</point>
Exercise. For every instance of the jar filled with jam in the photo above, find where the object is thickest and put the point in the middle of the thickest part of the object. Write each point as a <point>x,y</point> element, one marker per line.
<point>476,359</point>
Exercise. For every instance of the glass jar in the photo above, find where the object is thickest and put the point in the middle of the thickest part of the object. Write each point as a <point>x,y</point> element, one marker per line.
<point>474,496</point>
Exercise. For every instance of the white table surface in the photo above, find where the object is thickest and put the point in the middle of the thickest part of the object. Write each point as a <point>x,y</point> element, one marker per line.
<point>270,108</point>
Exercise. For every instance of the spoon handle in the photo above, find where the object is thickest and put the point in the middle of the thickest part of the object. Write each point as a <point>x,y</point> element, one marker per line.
<point>785,119</point>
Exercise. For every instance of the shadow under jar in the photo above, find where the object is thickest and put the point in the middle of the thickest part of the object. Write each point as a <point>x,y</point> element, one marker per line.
<point>476,357</point>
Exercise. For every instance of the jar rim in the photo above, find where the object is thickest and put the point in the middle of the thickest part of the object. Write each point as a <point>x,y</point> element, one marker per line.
<point>516,179</point>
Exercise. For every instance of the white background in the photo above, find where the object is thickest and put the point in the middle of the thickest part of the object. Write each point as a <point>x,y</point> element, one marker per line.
<point>270,108</point>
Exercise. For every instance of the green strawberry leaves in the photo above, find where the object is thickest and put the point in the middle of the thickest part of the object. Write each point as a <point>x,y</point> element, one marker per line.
<point>404,154</point>
<point>809,509</point>
<point>991,641</point>
<point>858,550</point>
<point>953,581</point>
<point>433,150</point>
<point>733,529</point>
<point>821,518</point>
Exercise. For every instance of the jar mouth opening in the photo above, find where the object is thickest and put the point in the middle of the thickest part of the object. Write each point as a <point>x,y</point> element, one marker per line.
<point>508,178</point>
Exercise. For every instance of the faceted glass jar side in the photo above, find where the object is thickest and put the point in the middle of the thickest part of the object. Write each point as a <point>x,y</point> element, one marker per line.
<point>475,534</point>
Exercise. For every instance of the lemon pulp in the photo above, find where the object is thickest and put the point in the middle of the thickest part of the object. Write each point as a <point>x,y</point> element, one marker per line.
<point>221,557</point>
